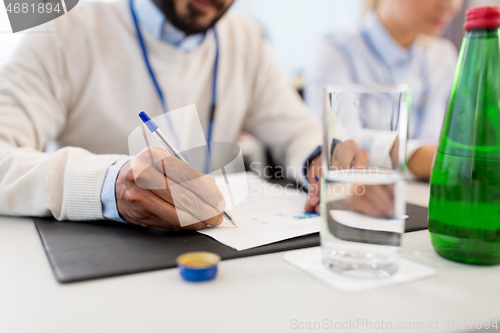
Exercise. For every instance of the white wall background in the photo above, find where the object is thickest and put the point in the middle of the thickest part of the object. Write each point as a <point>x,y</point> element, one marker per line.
<point>294,25</point>
<point>455,31</point>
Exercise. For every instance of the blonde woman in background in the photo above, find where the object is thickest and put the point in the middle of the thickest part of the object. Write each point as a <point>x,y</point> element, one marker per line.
<point>396,43</point>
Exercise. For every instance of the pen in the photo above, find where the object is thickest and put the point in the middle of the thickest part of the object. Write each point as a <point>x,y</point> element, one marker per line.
<point>155,130</point>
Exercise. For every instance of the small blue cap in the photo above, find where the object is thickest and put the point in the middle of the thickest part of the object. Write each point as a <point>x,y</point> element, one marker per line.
<point>198,266</point>
<point>147,120</point>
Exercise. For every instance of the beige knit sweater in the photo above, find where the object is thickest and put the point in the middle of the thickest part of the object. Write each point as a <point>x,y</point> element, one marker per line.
<point>84,83</point>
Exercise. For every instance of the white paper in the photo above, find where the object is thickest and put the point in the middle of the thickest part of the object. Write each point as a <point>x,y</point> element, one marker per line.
<point>310,261</point>
<point>269,213</point>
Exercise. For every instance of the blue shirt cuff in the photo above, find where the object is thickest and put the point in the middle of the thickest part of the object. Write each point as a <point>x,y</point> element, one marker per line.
<point>108,198</point>
<point>315,154</point>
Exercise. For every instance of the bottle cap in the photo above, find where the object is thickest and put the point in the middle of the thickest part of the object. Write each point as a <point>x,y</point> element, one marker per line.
<point>482,18</point>
<point>198,266</point>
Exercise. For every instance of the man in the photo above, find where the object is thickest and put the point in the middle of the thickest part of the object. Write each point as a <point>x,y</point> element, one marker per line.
<point>85,81</point>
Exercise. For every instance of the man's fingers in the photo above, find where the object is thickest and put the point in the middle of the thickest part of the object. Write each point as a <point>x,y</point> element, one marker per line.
<point>311,203</point>
<point>152,204</point>
<point>149,158</point>
<point>313,198</point>
<point>202,185</point>
<point>381,197</point>
<point>348,154</point>
<point>195,226</point>
<point>181,218</point>
<point>167,213</point>
<point>150,178</point>
<point>167,216</point>
<point>182,198</point>
<point>152,164</point>
<point>361,159</point>
<point>214,221</point>
<point>181,173</point>
<point>174,193</point>
<point>363,206</point>
<point>144,217</point>
<point>344,153</point>
<point>373,200</point>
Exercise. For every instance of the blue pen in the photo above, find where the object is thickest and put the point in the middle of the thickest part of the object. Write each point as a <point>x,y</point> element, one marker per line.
<point>165,142</point>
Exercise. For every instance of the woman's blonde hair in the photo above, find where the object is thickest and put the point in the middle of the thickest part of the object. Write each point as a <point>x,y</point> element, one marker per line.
<point>370,5</point>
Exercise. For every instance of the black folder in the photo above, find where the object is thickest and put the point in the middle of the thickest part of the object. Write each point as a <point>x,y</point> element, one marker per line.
<point>80,251</point>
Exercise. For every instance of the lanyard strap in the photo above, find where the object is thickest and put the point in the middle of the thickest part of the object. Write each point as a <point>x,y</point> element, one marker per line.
<point>160,93</point>
<point>214,102</point>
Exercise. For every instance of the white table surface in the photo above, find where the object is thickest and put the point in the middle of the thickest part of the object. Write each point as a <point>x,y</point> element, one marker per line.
<point>255,294</point>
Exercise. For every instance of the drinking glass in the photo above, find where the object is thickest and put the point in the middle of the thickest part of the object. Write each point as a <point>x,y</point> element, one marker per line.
<point>363,207</point>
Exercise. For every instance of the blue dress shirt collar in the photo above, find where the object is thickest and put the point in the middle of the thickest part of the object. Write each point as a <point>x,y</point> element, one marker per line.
<point>150,16</point>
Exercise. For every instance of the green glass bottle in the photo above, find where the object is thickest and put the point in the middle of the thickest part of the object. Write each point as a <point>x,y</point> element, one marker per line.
<point>464,206</point>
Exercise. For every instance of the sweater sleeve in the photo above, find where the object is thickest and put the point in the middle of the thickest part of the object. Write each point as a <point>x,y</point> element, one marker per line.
<point>35,96</point>
<point>279,117</point>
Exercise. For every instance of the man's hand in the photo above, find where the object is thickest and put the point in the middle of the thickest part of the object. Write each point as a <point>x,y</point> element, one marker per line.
<point>395,151</point>
<point>373,200</point>
<point>345,155</point>
<point>167,193</point>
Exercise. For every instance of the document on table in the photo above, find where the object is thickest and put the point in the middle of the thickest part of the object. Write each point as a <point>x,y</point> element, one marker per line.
<point>269,213</point>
